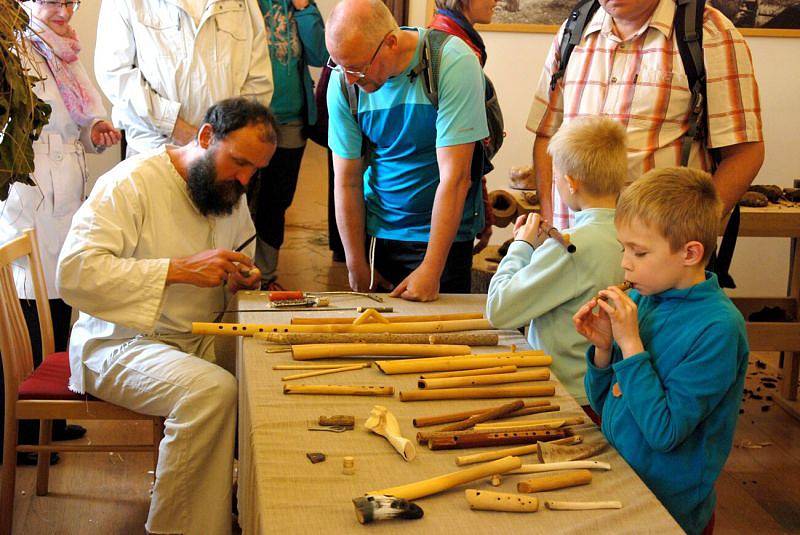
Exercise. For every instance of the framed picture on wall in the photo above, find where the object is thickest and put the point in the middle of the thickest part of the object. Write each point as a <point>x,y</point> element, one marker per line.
<point>777,18</point>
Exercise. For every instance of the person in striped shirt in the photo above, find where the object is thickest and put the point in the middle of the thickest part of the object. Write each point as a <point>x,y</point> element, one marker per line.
<point>628,67</point>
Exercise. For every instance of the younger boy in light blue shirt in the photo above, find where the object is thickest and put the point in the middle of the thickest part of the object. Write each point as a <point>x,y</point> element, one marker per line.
<point>540,282</point>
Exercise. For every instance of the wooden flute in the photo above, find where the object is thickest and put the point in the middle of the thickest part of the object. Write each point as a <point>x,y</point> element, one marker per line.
<point>624,286</point>
<point>473,439</point>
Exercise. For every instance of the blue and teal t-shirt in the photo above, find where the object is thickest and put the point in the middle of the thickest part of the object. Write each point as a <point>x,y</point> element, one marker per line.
<point>405,130</point>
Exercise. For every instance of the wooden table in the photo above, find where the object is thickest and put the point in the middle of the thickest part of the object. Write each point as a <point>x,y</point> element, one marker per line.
<point>280,491</point>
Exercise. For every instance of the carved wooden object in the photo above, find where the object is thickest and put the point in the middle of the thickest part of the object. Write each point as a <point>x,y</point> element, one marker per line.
<point>542,374</point>
<point>518,450</point>
<point>487,500</point>
<point>463,338</point>
<point>554,453</point>
<point>339,390</point>
<point>326,351</point>
<point>581,506</point>
<point>468,373</point>
<point>476,439</point>
<point>555,481</point>
<point>556,467</point>
<point>384,423</point>
<point>458,416</point>
<point>249,329</point>
<point>412,491</point>
<point>489,392</point>
<point>522,359</point>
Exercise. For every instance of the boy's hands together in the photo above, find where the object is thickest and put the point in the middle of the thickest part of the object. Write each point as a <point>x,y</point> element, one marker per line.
<point>595,327</point>
<point>622,313</point>
<point>528,228</point>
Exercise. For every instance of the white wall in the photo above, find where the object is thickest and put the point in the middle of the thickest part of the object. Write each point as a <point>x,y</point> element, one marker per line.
<point>515,60</point>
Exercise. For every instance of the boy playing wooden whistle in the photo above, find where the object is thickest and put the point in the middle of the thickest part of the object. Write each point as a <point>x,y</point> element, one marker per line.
<point>668,360</point>
<point>539,282</point>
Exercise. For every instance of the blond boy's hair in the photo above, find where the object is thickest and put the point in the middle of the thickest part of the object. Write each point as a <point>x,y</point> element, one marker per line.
<point>680,203</point>
<point>592,151</point>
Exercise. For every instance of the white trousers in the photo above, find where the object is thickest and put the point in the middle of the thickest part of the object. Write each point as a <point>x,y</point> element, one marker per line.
<point>192,493</point>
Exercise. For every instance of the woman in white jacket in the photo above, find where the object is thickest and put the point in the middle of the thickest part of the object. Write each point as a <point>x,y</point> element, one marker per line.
<point>76,125</point>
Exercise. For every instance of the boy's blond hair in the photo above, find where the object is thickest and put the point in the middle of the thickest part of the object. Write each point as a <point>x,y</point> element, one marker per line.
<point>592,151</point>
<point>680,203</point>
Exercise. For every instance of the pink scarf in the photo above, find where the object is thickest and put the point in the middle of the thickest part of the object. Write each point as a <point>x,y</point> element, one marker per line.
<point>82,100</point>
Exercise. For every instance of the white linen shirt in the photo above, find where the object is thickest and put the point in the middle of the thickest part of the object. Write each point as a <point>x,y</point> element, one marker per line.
<point>114,263</point>
<point>155,63</point>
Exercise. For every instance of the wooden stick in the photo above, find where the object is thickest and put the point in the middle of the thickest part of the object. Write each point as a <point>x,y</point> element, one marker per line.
<point>581,506</point>
<point>524,359</point>
<point>423,436</point>
<point>486,500</point>
<point>393,319</point>
<point>458,416</point>
<point>325,372</point>
<point>339,390</point>
<point>542,374</point>
<point>462,338</point>
<point>326,351</point>
<point>491,414</point>
<point>555,467</point>
<point>493,392</point>
<point>519,450</point>
<point>562,480</point>
<point>249,329</point>
<point>476,439</point>
<point>532,410</point>
<point>566,421</point>
<point>412,491</point>
<point>468,373</point>
<point>318,366</point>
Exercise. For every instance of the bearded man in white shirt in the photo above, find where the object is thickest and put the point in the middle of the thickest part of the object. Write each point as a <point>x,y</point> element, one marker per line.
<point>151,251</point>
<point>162,63</point>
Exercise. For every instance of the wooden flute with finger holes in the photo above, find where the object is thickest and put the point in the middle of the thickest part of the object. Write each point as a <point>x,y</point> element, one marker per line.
<point>624,286</point>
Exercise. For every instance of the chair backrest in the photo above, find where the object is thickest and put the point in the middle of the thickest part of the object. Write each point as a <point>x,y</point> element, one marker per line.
<point>15,341</point>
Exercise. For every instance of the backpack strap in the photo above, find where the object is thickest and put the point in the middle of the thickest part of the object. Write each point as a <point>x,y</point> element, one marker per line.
<point>430,64</point>
<point>689,31</point>
<point>581,14</point>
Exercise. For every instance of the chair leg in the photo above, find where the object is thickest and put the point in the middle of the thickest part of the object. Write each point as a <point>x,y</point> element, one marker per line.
<point>158,434</point>
<point>43,461</point>
<point>9,472</point>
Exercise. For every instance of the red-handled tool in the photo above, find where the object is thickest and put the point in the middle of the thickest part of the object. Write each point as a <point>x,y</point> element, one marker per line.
<point>297,294</point>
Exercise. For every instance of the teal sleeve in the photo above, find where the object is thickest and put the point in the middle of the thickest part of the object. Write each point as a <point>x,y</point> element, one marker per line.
<point>461,116</point>
<point>530,283</point>
<point>668,409</point>
<point>312,34</point>
<point>344,134</point>
<point>597,381</point>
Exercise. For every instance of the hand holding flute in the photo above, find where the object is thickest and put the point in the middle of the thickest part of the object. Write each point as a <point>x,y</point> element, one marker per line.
<point>529,228</point>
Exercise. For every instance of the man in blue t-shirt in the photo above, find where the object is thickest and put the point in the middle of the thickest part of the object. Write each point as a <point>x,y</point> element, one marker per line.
<point>412,200</point>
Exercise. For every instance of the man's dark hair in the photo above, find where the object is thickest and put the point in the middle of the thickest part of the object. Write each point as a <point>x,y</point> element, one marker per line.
<point>232,114</point>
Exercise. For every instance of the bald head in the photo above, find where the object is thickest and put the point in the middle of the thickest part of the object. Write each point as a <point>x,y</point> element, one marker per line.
<point>357,26</point>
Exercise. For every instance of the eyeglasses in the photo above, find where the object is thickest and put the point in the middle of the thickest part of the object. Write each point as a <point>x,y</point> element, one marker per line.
<point>53,4</point>
<point>352,72</point>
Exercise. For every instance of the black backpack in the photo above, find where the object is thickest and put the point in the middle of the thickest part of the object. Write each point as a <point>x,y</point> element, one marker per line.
<point>688,24</point>
<point>428,68</point>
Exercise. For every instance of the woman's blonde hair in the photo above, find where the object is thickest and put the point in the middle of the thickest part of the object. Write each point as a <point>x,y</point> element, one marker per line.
<point>592,151</point>
<point>678,202</point>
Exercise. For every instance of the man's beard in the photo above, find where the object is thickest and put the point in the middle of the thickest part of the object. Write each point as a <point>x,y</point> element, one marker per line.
<point>211,197</point>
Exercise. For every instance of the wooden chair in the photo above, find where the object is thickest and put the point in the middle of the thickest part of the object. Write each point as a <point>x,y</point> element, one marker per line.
<point>42,394</point>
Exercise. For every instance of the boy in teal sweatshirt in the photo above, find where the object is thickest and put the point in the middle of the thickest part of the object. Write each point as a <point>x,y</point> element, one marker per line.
<point>539,282</point>
<point>667,367</point>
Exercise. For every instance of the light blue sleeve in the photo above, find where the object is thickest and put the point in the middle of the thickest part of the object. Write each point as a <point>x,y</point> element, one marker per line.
<point>461,116</point>
<point>344,134</point>
<point>668,409</point>
<point>530,283</point>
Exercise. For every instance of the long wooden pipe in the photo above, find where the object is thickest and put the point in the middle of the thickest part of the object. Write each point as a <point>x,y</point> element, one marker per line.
<point>339,390</point>
<point>482,457</point>
<point>393,319</point>
<point>420,489</point>
<point>326,351</point>
<point>427,421</point>
<point>249,329</point>
<point>494,392</point>
<point>484,360</point>
<point>542,374</point>
<point>465,338</point>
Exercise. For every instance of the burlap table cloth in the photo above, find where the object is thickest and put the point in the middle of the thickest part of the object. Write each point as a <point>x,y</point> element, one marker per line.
<point>280,491</point>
